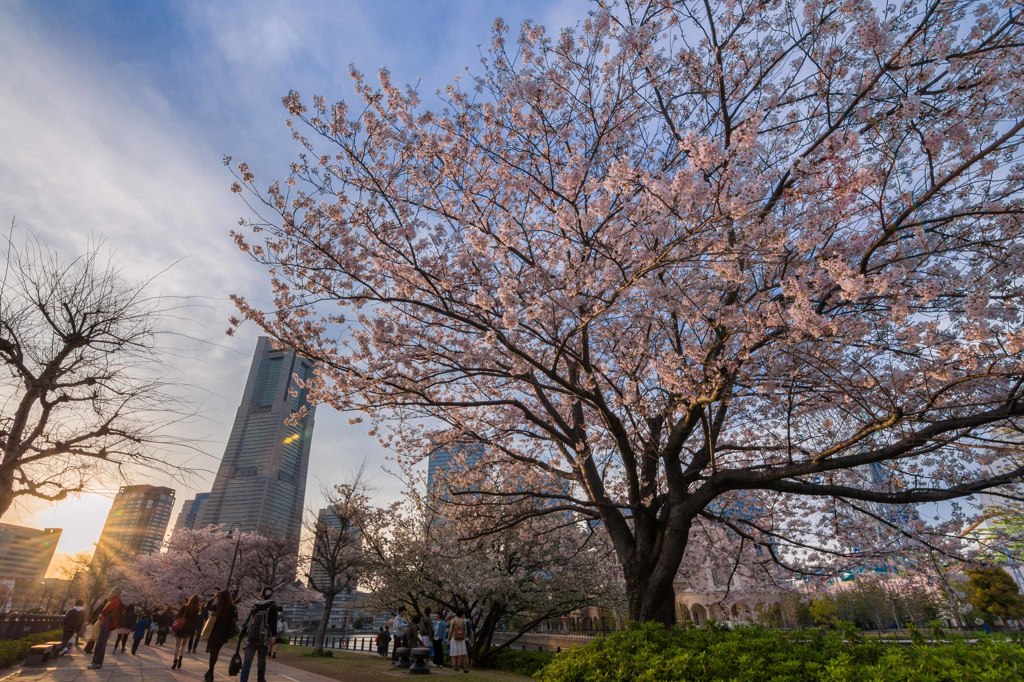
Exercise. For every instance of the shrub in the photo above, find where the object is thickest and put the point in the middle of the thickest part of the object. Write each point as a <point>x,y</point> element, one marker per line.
<point>12,651</point>
<point>650,652</point>
<point>527,663</point>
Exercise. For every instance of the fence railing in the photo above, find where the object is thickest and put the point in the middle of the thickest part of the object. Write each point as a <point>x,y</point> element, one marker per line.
<point>16,626</point>
<point>367,643</point>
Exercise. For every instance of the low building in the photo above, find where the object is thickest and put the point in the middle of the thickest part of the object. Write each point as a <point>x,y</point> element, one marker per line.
<point>25,557</point>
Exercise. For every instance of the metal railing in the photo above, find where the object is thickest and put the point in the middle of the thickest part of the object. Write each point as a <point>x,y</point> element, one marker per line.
<point>365,643</point>
<point>16,626</point>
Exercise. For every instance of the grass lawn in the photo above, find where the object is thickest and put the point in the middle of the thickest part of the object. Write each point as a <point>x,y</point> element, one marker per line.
<point>353,667</point>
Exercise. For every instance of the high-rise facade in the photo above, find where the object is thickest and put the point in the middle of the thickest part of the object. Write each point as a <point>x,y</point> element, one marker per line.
<point>446,458</point>
<point>335,535</point>
<point>190,511</point>
<point>26,552</point>
<point>261,482</point>
<point>137,521</point>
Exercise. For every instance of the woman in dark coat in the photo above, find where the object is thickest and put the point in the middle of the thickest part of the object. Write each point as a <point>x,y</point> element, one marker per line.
<point>188,621</point>
<point>223,629</point>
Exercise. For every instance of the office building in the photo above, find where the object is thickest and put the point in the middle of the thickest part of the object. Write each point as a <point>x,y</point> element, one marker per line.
<point>452,457</point>
<point>137,521</point>
<point>261,482</point>
<point>26,552</point>
<point>336,537</point>
<point>190,511</point>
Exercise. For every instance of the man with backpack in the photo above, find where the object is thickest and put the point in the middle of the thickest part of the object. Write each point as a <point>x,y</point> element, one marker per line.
<point>259,630</point>
<point>74,619</point>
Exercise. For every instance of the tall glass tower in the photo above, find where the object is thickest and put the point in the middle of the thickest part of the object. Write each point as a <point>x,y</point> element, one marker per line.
<point>261,482</point>
<point>456,456</point>
<point>137,521</point>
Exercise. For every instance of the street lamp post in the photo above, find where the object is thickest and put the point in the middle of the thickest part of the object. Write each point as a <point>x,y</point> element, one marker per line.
<point>234,556</point>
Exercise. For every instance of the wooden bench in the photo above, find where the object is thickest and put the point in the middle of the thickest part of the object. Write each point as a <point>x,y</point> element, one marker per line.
<point>38,654</point>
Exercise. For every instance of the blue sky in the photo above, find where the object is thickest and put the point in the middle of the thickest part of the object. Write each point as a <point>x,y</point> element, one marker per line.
<point>114,117</point>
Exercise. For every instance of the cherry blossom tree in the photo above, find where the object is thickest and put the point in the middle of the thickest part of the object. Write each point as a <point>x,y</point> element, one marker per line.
<point>676,252</point>
<point>438,552</point>
<point>197,561</point>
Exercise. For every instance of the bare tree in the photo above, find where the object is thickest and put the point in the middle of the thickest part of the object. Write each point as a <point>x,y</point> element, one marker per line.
<point>336,555</point>
<point>79,388</point>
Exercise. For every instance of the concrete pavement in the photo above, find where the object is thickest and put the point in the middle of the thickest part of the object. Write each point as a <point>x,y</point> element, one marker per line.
<point>152,664</point>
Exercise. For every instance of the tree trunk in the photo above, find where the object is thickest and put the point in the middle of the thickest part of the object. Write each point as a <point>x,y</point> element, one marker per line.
<point>651,600</point>
<point>321,631</point>
<point>6,489</point>
<point>484,635</point>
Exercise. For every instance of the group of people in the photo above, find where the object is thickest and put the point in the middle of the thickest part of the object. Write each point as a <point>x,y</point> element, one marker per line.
<point>444,634</point>
<point>216,622</point>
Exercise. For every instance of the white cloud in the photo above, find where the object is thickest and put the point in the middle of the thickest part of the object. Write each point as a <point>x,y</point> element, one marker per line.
<point>93,147</point>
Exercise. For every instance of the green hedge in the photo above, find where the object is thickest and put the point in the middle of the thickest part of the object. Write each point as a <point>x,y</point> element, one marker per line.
<point>651,653</point>
<point>14,650</point>
<point>527,663</point>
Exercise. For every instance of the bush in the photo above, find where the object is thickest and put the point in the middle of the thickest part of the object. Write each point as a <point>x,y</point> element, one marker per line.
<point>12,651</point>
<point>650,652</point>
<point>527,663</point>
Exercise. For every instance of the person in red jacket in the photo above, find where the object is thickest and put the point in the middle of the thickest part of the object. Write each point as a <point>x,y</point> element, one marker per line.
<point>109,618</point>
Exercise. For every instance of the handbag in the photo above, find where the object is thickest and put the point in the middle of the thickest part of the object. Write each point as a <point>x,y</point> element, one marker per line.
<point>235,666</point>
<point>178,625</point>
<point>94,632</point>
<point>208,626</point>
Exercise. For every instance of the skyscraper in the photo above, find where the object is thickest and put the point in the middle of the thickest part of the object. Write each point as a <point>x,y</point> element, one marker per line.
<point>333,543</point>
<point>445,458</point>
<point>190,511</point>
<point>25,554</point>
<point>261,481</point>
<point>137,521</point>
<point>26,551</point>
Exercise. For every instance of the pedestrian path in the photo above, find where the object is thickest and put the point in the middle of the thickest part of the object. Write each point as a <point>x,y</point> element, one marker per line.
<point>152,664</point>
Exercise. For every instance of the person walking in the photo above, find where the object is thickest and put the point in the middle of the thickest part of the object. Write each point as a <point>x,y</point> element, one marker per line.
<point>153,627</point>
<point>400,623</point>
<point>109,619</point>
<point>458,637</point>
<point>141,630</point>
<point>440,635</point>
<point>224,627</point>
<point>125,627</point>
<point>164,622</point>
<point>259,630</point>
<point>184,625</point>
<point>193,641</point>
<point>74,619</point>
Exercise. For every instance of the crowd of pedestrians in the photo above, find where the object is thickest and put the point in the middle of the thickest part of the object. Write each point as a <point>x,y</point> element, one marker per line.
<point>215,622</point>
<point>442,633</point>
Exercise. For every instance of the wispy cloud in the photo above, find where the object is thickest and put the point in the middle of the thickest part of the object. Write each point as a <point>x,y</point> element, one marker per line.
<point>123,142</point>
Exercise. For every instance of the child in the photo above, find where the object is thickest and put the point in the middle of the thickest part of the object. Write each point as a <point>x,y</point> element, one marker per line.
<point>141,628</point>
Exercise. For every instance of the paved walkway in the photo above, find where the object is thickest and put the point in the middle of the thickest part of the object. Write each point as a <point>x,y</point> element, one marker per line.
<point>152,664</point>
